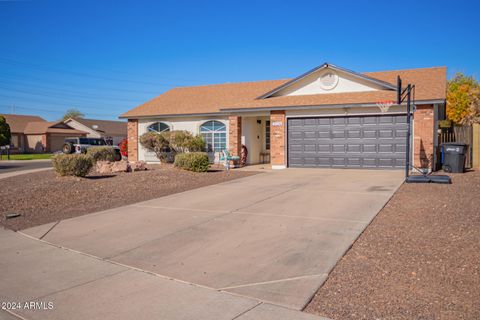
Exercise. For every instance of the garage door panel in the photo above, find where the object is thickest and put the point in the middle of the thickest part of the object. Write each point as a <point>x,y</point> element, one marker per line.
<point>401,133</point>
<point>337,121</point>
<point>310,148</point>
<point>369,148</point>
<point>389,148</point>
<point>385,133</point>
<point>400,148</point>
<point>354,121</point>
<point>338,162</point>
<point>336,134</point>
<point>296,135</point>
<point>385,119</point>
<point>386,163</point>
<point>354,162</point>
<point>311,122</point>
<point>323,121</point>
<point>295,122</point>
<point>310,135</point>
<point>324,135</point>
<point>347,142</point>
<point>338,148</point>
<point>354,148</point>
<point>354,134</point>
<point>296,148</point>
<point>369,134</point>
<point>323,148</point>
<point>369,120</point>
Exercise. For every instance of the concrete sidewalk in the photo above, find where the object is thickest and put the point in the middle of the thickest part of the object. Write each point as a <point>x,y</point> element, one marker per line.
<point>81,286</point>
<point>22,172</point>
<point>12,168</point>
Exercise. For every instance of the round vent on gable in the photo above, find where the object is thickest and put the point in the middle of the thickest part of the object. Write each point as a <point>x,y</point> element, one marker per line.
<point>328,80</point>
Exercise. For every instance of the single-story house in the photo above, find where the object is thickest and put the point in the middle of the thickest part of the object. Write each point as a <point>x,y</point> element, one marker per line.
<point>327,117</point>
<point>112,131</point>
<point>35,134</point>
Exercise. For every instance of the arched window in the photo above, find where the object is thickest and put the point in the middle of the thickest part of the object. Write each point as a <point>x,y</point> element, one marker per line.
<point>158,127</point>
<point>215,135</point>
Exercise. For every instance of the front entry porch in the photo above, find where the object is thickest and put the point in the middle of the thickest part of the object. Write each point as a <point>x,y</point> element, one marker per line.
<point>263,136</point>
<point>250,135</point>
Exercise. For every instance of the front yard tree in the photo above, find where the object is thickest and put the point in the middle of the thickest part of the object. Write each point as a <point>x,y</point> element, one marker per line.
<point>463,100</point>
<point>72,113</point>
<point>5,134</point>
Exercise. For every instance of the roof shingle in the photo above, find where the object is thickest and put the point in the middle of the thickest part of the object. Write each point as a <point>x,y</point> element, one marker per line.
<point>50,127</point>
<point>18,122</point>
<point>108,127</point>
<point>430,85</point>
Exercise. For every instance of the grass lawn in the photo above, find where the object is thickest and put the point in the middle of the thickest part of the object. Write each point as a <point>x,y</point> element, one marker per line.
<point>33,156</point>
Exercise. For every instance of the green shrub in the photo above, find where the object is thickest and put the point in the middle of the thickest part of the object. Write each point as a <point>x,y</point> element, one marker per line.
<point>194,161</point>
<point>196,144</point>
<point>183,141</point>
<point>78,165</point>
<point>101,153</point>
<point>157,143</point>
<point>167,144</point>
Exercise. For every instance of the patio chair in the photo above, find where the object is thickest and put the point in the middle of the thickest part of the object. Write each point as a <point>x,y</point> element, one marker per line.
<point>225,157</point>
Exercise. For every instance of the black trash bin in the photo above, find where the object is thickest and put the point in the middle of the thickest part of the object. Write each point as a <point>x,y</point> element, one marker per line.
<point>454,157</point>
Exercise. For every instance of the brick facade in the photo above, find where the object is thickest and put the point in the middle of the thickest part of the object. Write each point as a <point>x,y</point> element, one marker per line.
<point>132,134</point>
<point>423,144</point>
<point>235,135</point>
<point>277,139</point>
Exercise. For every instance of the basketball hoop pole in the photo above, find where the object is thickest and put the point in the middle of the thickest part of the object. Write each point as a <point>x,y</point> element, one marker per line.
<point>407,160</point>
<point>424,178</point>
<point>401,95</point>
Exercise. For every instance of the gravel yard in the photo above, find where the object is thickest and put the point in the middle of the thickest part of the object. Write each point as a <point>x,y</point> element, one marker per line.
<point>419,258</point>
<point>43,197</point>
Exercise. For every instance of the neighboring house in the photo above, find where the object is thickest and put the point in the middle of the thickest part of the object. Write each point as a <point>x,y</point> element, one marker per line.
<point>112,131</point>
<point>17,125</point>
<point>34,134</point>
<point>327,117</point>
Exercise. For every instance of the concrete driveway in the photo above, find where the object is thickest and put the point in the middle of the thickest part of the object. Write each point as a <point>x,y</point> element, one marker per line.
<point>273,236</point>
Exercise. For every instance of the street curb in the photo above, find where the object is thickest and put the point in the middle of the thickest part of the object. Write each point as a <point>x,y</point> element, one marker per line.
<point>20,172</point>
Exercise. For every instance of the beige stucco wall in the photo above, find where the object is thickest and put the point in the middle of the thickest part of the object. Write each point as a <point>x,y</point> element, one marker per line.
<point>14,140</point>
<point>94,134</point>
<point>34,143</point>
<point>253,137</point>
<point>311,85</point>
<point>90,132</point>
<point>190,124</point>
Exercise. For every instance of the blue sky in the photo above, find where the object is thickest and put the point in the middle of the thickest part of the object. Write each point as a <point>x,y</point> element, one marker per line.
<point>105,57</point>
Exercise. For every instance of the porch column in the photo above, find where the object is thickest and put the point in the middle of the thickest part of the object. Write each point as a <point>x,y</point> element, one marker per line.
<point>132,135</point>
<point>277,139</point>
<point>423,134</point>
<point>235,135</point>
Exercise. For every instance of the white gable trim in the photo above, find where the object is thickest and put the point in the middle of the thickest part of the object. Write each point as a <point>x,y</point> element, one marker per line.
<point>377,83</point>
